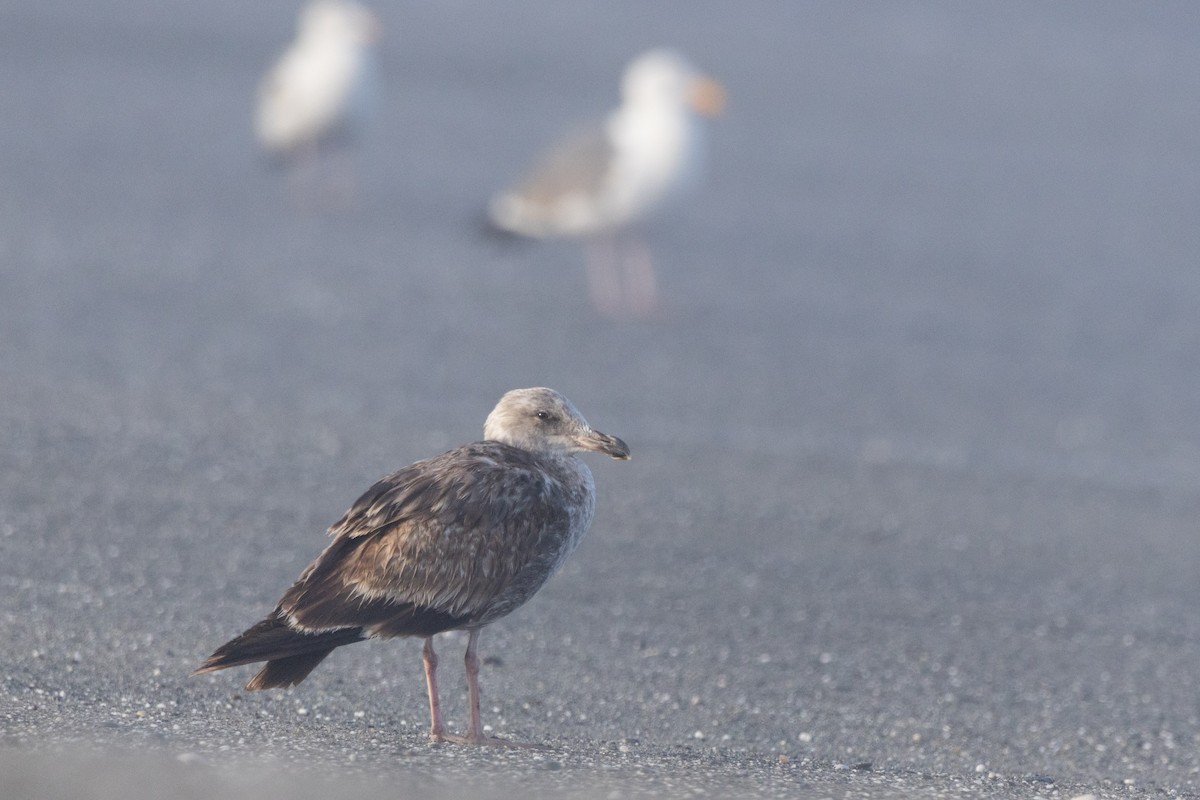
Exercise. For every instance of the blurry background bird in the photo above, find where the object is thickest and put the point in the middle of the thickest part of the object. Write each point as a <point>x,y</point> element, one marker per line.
<point>319,95</point>
<point>613,176</point>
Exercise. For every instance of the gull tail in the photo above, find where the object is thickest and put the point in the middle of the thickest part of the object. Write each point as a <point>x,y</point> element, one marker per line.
<point>290,654</point>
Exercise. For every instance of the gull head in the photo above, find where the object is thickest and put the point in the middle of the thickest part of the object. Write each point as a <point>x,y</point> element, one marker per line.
<point>663,78</point>
<point>342,21</point>
<point>543,421</point>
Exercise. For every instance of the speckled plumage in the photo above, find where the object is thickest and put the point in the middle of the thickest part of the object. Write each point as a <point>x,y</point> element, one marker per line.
<point>472,534</point>
<point>451,542</point>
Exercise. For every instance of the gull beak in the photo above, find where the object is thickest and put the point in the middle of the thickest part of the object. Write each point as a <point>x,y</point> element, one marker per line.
<point>707,97</point>
<point>603,443</point>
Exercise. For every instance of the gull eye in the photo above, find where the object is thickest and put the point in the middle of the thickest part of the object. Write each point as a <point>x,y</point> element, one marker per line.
<point>544,416</point>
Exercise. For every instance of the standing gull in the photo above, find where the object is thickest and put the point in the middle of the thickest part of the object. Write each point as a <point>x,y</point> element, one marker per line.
<point>452,542</point>
<point>318,95</point>
<point>616,175</point>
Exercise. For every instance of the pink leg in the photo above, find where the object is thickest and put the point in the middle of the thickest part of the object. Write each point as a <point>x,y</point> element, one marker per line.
<point>604,282</point>
<point>303,178</point>
<point>342,178</point>
<point>475,732</point>
<point>437,728</point>
<point>641,284</point>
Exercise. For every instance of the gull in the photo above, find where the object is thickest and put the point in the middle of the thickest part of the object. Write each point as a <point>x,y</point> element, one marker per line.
<point>320,93</point>
<point>616,175</point>
<point>453,542</point>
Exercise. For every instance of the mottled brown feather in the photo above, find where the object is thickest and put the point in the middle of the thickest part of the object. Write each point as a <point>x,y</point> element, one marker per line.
<point>427,538</point>
<point>454,541</point>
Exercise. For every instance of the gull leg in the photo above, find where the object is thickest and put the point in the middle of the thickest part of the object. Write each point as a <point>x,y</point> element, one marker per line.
<point>641,284</point>
<point>437,728</point>
<point>343,178</point>
<point>604,282</point>
<point>303,176</point>
<point>475,732</point>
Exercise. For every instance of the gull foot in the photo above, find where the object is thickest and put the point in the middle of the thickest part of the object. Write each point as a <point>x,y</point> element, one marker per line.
<point>488,741</point>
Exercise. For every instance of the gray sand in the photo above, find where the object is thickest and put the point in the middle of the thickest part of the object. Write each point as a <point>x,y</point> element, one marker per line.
<point>914,498</point>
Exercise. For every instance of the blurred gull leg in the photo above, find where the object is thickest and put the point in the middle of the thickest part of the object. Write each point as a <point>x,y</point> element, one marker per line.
<point>604,280</point>
<point>641,285</point>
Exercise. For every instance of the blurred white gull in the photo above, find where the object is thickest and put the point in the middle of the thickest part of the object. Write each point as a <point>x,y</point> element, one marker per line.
<point>615,175</point>
<point>321,92</point>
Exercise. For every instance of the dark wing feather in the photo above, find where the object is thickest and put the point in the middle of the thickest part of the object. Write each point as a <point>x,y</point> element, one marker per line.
<point>453,541</point>
<point>290,654</point>
<point>273,638</point>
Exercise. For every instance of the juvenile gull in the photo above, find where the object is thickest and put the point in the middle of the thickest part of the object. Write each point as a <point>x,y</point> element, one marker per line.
<point>452,542</point>
<point>616,174</point>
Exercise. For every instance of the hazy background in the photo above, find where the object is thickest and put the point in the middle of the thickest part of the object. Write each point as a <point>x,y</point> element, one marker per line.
<point>916,442</point>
